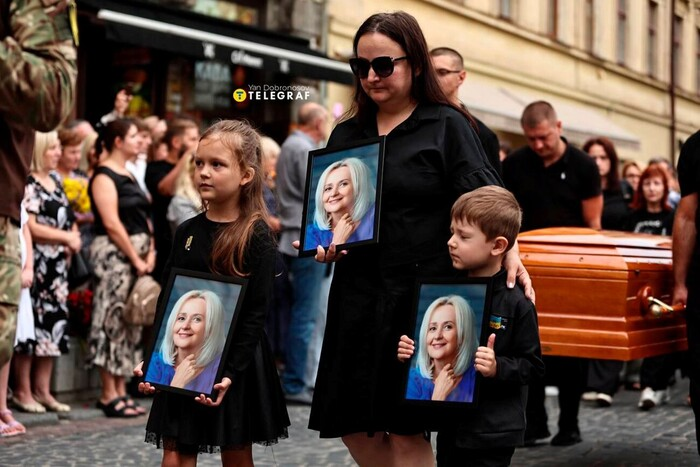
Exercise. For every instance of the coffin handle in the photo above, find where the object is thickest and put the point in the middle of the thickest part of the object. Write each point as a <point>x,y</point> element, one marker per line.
<point>656,307</point>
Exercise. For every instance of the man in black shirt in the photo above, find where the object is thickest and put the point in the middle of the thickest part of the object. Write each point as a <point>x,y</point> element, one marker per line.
<point>686,261</point>
<point>556,185</point>
<point>181,138</point>
<point>449,66</point>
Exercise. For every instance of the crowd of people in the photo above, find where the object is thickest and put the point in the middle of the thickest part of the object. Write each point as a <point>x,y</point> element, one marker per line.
<point>106,204</point>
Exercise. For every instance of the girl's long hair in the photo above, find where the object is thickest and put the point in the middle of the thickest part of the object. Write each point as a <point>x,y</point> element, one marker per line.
<point>243,145</point>
<point>403,29</point>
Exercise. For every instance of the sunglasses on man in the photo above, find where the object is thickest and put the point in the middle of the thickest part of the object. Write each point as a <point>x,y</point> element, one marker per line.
<point>382,66</point>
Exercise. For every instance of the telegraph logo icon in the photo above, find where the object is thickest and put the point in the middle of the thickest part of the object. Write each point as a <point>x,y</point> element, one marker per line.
<point>239,95</point>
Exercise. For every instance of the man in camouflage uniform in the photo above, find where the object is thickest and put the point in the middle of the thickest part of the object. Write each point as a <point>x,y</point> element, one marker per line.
<point>37,83</point>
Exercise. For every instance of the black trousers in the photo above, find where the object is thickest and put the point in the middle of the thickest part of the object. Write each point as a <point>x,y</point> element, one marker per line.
<point>450,455</point>
<point>569,374</point>
<point>657,371</point>
<point>692,316</point>
<point>604,375</point>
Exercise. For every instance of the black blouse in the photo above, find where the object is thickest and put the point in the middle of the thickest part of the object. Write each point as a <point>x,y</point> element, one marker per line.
<point>431,159</point>
<point>134,208</point>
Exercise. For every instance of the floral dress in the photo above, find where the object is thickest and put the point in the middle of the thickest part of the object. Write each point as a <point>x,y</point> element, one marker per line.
<point>50,288</point>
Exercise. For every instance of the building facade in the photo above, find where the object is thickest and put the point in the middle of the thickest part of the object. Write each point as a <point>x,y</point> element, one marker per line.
<point>606,65</point>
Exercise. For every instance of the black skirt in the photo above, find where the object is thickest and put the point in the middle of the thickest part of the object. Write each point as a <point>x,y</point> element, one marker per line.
<point>253,411</point>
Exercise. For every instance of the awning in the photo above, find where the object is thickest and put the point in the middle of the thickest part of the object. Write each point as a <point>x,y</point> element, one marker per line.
<point>207,38</point>
<point>500,108</point>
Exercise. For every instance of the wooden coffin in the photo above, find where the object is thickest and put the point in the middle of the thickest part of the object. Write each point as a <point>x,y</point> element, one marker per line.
<point>592,291</point>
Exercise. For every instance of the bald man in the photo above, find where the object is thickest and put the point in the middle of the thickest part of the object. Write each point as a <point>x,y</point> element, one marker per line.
<point>305,273</point>
<point>449,65</point>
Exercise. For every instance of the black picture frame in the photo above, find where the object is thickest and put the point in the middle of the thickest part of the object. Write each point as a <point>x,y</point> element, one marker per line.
<point>367,165</point>
<point>418,387</point>
<point>223,296</point>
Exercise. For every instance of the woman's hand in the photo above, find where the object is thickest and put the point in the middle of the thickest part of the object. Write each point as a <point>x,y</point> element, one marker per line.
<point>143,387</point>
<point>150,261</point>
<point>323,256</point>
<point>485,359</point>
<point>515,269</point>
<point>27,277</point>
<point>141,267</point>
<point>342,231</point>
<point>406,348</point>
<point>73,241</point>
<point>445,382</point>
<point>185,372</point>
<point>222,387</point>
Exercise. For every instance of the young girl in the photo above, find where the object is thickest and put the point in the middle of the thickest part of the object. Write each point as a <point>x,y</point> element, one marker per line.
<point>229,238</point>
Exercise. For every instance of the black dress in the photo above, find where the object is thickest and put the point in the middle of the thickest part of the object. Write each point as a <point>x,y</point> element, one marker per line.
<point>253,410</point>
<point>431,158</point>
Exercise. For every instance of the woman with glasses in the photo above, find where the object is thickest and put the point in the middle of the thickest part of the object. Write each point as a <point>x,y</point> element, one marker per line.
<point>432,156</point>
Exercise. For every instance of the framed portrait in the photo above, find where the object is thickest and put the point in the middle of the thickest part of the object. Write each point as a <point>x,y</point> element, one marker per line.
<point>451,321</point>
<point>194,324</point>
<point>342,196</point>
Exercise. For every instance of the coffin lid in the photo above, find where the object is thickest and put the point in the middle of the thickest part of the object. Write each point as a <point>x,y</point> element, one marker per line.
<point>571,236</point>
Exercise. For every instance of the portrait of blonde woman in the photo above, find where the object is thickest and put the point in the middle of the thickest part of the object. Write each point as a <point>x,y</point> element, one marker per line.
<point>447,342</point>
<point>344,200</point>
<point>189,354</point>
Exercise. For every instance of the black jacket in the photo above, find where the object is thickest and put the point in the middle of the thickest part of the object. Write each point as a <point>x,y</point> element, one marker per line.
<point>499,419</point>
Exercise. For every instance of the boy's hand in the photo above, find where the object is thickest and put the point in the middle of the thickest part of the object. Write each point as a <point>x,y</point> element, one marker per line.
<point>222,387</point>
<point>445,382</point>
<point>406,348</point>
<point>485,359</point>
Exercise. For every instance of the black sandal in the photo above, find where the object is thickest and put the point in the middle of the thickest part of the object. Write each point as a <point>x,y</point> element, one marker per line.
<point>110,409</point>
<point>132,404</point>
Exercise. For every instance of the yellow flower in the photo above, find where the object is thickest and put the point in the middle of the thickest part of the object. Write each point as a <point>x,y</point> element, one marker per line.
<point>77,194</point>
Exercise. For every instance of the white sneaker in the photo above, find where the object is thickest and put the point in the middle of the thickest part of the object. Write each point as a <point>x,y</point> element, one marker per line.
<point>589,396</point>
<point>603,400</point>
<point>651,398</point>
<point>647,400</point>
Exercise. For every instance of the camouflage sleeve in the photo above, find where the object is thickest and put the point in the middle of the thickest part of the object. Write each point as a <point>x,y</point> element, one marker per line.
<point>38,67</point>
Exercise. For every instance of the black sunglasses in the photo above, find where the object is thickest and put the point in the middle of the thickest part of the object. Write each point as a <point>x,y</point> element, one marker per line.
<point>382,66</point>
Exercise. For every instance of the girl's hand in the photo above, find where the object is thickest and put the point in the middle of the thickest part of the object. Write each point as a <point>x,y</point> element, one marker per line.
<point>343,230</point>
<point>27,277</point>
<point>222,387</point>
<point>485,359</point>
<point>445,382</point>
<point>329,256</point>
<point>406,348</point>
<point>185,372</point>
<point>143,387</point>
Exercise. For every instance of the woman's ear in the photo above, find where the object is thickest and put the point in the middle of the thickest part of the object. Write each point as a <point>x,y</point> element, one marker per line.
<point>500,245</point>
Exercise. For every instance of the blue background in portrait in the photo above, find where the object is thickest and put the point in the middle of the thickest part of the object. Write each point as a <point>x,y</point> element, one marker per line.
<point>474,294</point>
<point>368,154</point>
<point>226,291</point>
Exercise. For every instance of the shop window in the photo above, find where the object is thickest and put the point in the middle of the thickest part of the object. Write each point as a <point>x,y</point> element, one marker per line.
<point>241,11</point>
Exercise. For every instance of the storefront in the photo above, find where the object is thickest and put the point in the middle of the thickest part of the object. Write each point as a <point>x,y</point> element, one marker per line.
<point>184,62</point>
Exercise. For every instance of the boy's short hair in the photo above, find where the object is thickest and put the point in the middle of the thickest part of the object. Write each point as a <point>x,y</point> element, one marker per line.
<point>493,209</point>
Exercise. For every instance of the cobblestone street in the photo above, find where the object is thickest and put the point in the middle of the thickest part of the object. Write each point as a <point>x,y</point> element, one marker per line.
<point>618,436</point>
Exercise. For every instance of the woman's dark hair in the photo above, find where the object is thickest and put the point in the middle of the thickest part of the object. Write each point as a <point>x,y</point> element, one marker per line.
<point>116,129</point>
<point>403,29</point>
<point>639,201</point>
<point>613,177</point>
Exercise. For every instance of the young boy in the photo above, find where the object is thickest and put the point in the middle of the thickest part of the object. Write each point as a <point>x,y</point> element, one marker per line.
<point>485,224</point>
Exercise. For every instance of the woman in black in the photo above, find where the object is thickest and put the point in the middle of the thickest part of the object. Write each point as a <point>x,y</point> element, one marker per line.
<point>432,156</point>
<point>604,375</point>
<point>122,249</point>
